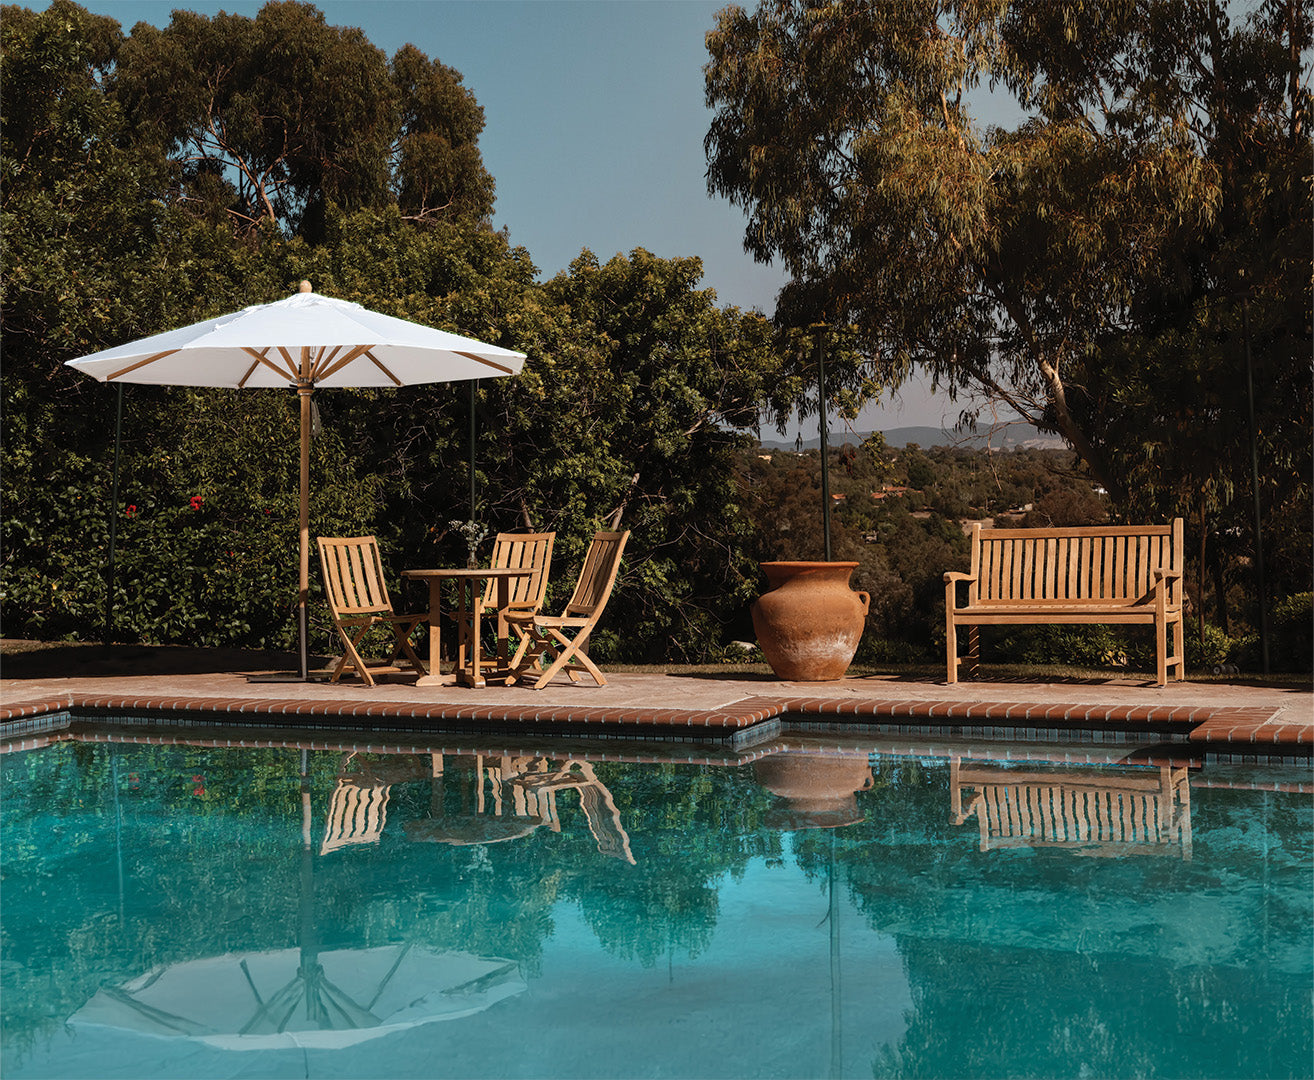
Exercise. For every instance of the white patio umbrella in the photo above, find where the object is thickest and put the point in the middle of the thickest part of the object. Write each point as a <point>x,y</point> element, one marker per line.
<point>304,342</point>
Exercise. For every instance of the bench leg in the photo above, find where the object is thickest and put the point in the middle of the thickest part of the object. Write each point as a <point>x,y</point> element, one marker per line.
<point>1181,647</point>
<point>1161,651</point>
<point>951,648</point>
<point>974,651</point>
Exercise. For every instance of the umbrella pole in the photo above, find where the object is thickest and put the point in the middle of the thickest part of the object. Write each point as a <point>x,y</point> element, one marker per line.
<point>113,518</point>
<point>474,385</point>
<point>303,392</point>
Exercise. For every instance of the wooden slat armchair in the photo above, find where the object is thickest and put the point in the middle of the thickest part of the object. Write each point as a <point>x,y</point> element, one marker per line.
<point>358,601</point>
<point>561,638</point>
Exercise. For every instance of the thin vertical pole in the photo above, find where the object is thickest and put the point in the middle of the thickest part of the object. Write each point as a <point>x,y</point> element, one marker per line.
<point>474,386</point>
<point>118,823</point>
<point>825,447</point>
<point>836,987</point>
<point>113,518</point>
<point>1254,484</point>
<point>303,595</point>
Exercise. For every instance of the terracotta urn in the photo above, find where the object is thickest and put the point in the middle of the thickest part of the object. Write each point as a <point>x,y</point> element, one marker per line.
<point>809,621</point>
<point>818,791</point>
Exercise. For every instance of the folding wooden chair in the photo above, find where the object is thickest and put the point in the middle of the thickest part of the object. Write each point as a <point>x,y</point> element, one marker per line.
<point>562,637</point>
<point>358,601</point>
<point>529,551</point>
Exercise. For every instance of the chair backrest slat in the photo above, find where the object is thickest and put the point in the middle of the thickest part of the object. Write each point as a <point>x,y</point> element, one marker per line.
<point>598,574</point>
<point>353,575</point>
<point>515,551</point>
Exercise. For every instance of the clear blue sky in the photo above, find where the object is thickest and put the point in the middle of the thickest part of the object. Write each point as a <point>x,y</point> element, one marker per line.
<point>594,126</point>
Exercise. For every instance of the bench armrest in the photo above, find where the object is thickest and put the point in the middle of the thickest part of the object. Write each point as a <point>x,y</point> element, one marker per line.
<point>952,578</point>
<point>1159,575</point>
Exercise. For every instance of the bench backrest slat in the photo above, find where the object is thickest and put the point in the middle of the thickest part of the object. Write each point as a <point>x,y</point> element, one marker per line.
<point>1093,564</point>
<point>1074,814</point>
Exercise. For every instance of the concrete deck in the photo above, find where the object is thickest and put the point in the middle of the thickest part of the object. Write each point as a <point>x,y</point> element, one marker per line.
<point>733,710</point>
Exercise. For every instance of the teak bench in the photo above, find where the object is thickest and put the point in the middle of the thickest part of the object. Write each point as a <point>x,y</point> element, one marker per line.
<point>1100,574</point>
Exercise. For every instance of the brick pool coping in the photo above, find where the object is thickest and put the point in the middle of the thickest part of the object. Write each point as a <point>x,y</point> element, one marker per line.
<point>1254,729</point>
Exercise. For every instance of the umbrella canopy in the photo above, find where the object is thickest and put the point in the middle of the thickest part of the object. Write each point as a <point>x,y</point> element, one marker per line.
<point>286,998</point>
<point>303,342</point>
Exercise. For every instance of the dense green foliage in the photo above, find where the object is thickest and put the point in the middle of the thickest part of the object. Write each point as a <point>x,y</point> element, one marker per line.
<point>149,186</point>
<point>152,179</point>
<point>1107,268</point>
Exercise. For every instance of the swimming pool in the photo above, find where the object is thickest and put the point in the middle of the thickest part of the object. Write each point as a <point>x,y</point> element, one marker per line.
<point>827,908</point>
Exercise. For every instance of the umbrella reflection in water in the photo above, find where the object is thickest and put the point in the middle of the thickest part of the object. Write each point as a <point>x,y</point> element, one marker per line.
<point>303,997</point>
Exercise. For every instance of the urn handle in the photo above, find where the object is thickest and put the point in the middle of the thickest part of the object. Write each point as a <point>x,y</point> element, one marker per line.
<point>865,599</point>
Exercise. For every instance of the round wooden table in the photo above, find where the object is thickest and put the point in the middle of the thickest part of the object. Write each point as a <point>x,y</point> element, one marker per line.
<point>469,608</point>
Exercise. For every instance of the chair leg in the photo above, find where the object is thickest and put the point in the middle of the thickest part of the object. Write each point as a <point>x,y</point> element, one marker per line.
<point>568,653</point>
<point>522,644</point>
<point>404,646</point>
<point>974,651</point>
<point>529,653</point>
<point>351,655</point>
<point>951,649</point>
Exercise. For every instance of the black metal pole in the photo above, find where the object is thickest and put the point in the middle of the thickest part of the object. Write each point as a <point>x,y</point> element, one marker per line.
<point>474,386</point>
<point>1254,484</point>
<point>825,446</point>
<point>836,986</point>
<point>113,518</point>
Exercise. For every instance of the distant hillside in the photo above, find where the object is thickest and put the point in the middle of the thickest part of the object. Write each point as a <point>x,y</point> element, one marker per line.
<point>1013,437</point>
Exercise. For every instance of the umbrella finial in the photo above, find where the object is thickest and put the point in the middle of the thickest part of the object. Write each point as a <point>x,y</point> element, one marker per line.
<point>305,287</point>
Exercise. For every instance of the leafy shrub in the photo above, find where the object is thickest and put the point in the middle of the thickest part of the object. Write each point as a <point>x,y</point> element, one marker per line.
<point>1292,648</point>
<point>1083,646</point>
<point>1215,650</point>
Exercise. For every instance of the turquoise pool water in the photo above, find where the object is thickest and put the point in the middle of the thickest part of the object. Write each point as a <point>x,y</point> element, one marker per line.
<point>184,911</point>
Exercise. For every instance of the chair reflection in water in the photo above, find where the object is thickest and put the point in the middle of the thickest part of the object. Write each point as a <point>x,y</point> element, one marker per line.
<point>523,794</point>
<point>535,786</point>
<point>358,807</point>
<point>528,787</point>
<point>1103,812</point>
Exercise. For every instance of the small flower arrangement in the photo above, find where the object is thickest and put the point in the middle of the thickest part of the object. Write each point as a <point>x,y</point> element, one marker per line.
<point>474,532</point>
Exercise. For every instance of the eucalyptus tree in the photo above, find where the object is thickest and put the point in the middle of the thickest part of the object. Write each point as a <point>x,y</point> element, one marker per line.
<point>1153,180</point>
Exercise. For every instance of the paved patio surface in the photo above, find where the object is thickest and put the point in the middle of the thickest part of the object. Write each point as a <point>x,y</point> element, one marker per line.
<point>698,707</point>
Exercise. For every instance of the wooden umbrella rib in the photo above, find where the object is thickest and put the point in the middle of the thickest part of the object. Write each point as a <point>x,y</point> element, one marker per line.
<point>337,365</point>
<point>262,358</point>
<point>486,362</point>
<point>375,360</point>
<point>241,383</point>
<point>323,358</point>
<point>292,370</point>
<point>139,364</point>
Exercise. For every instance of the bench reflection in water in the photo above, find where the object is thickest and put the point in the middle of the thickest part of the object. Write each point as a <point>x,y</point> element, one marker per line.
<point>1134,810</point>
